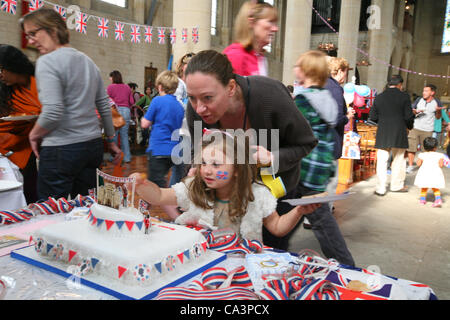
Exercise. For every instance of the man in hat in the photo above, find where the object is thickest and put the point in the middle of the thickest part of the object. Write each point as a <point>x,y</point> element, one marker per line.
<point>393,113</point>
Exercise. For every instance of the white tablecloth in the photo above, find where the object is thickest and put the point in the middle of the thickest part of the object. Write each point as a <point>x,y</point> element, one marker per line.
<point>13,199</point>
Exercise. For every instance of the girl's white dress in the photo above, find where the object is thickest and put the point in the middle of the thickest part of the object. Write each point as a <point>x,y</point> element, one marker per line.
<point>252,222</point>
<point>430,175</point>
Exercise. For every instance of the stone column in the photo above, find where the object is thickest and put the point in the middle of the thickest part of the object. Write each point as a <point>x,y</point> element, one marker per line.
<point>189,14</point>
<point>349,32</point>
<point>297,39</point>
<point>139,11</point>
<point>381,44</point>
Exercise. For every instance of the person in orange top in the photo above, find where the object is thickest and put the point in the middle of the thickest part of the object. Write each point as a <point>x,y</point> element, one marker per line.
<point>18,97</point>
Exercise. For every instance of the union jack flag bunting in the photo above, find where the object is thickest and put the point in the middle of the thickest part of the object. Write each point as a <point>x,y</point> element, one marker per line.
<point>9,6</point>
<point>148,34</point>
<point>184,35</point>
<point>119,31</point>
<point>34,5</point>
<point>161,36</point>
<point>135,34</point>
<point>61,10</point>
<point>195,35</point>
<point>173,36</point>
<point>81,23</point>
<point>103,25</point>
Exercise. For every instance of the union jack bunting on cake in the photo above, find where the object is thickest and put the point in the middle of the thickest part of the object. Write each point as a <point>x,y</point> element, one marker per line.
<point>61,10</point>
<point>81,23</point>
<point>148,34</point>
<point>35,5</point>
<point>135,34</point>
<point>118,31</point>
<point>103,25</point>
<point>9,6</point>
<point>161,35</point>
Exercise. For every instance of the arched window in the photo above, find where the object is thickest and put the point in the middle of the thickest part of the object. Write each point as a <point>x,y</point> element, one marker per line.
<point>120,3</point>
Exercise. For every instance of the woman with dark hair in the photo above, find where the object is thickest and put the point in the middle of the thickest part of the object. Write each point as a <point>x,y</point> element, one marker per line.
<point>124,100</point>
<point>220,99</point>
<point>18,96</point>
<point>67,138</point>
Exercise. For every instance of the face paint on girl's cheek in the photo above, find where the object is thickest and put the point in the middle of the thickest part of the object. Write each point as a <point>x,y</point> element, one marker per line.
<point>222,175</point>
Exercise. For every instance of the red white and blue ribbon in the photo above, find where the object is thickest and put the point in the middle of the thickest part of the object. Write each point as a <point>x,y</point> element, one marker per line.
<point>215,284</point>
<point>49,207</point>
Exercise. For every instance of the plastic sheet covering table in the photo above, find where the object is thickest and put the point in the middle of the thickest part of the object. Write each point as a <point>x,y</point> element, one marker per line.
<point>27,282</point>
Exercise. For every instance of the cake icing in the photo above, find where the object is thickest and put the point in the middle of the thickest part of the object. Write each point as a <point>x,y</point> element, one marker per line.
<point>113,243</point>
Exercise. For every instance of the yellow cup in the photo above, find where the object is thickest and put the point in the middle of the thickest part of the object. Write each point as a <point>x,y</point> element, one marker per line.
<point>275,185</point>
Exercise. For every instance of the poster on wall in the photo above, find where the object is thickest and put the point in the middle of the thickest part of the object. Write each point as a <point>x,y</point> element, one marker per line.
<point>446,36</point>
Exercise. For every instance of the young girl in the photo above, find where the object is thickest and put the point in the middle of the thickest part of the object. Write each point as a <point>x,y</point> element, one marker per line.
<point>225,192</point>
<point>430,174</point>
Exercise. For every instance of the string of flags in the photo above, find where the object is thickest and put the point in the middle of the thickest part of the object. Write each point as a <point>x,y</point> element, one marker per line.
<point>103,24</point>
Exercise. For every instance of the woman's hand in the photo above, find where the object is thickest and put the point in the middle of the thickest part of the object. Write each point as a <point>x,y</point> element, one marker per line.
<point>262,156</point>
<point>36,135</point>
<point>307,209</point>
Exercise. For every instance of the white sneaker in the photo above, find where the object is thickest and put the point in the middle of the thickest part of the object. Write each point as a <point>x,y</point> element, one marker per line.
<point>409,169</point>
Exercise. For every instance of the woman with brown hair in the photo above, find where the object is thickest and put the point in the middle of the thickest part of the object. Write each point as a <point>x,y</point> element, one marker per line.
<point>219,98</point>
<point>18,97</point>
<point>67,138</point>
<point>255,27</point>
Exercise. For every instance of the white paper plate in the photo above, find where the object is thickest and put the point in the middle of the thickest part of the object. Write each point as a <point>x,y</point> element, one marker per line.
<point>9,184</point>
<point>311,200</point>
<point>19,118</point>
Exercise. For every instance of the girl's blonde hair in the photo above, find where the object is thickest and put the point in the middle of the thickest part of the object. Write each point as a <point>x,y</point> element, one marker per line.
<point>168,80</point>
<point>243,33</point>
<point>314,66</point>
<point>246,175</point>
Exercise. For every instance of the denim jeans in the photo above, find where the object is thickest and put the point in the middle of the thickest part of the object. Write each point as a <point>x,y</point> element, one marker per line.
<point>158,167</point>
<point>179,171</point>
<point>69,169</point>
<point>123,132</point>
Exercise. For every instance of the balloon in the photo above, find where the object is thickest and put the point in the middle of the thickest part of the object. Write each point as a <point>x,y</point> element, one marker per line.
<point>349,97</point>
<point>359,101</point>
<point>349,87</point>
<point>363,91</point>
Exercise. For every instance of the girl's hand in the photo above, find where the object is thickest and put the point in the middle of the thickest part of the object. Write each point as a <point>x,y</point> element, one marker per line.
<point>140,179</point>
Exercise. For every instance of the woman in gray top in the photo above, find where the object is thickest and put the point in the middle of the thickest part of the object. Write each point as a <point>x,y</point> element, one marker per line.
<point>66,138</point>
